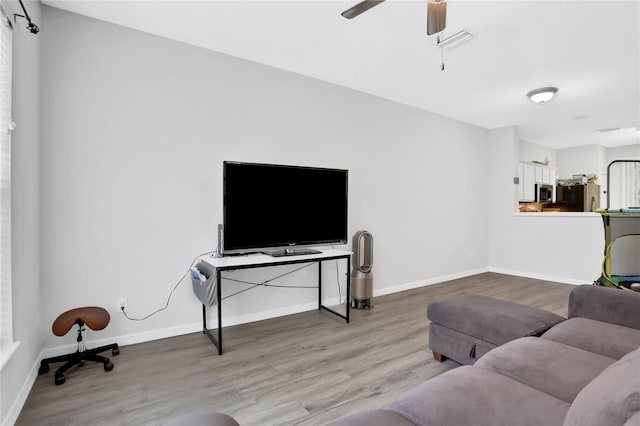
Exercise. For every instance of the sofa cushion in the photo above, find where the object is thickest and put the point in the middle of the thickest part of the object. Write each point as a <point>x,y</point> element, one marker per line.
<point>610,340</point>
<point>471,395</point>
<point>373,418</point>
<point>558,370</point>
<point>612,398</point>
<point>492,320</point>
<point>634,420</point>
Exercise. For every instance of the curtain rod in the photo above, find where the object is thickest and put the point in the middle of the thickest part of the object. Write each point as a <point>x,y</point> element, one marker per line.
<point>33,28</point>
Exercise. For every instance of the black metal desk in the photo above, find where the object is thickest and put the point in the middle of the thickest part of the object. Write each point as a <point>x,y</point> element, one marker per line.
<point>252,261</point>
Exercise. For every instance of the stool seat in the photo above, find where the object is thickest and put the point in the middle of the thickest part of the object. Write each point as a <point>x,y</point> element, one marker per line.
<point>94,317</point>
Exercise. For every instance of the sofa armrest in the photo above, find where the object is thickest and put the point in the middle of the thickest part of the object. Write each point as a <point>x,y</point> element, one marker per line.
<point>605,304</point>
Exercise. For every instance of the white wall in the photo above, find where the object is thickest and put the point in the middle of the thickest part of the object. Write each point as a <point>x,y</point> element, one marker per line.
<point>529,151</point>
<point>628,152</point>
<point>135,129</point>
<point>580,160</point>
<point>18,373</point>
<point>544,245</point>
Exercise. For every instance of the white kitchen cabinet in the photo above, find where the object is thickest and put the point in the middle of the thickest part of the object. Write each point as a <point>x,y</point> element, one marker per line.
<point>539,173</point>
<point>549,176</point>
<point>529,176</point>
<point>528,183</point>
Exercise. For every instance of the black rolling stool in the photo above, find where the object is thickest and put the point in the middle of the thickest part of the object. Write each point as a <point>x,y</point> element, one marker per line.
<point>93,317</point>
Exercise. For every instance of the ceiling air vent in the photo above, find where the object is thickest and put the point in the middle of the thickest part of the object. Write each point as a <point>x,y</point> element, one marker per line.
<point>608,129</point>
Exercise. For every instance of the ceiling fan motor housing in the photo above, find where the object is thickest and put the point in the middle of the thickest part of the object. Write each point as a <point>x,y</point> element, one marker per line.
<point>436,16</point>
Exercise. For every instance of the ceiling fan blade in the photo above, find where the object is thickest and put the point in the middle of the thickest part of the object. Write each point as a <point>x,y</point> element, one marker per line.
<point>436,16</point>
<point>360,8</point>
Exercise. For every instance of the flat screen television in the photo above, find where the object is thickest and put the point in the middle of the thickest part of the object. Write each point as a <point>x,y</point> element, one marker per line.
<point>276,208</point>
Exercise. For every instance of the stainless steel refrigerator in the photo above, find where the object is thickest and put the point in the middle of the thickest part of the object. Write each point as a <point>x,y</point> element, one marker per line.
<point>579,198</point>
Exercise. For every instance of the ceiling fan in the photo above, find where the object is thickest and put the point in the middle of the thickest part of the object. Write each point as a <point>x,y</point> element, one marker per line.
<point>436,13</point>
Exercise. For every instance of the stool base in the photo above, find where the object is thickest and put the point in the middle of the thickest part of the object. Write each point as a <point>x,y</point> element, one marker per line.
<point>76,358</point>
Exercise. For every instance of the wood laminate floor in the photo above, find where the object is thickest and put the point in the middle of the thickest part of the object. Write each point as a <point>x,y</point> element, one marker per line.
<point>304,369</point>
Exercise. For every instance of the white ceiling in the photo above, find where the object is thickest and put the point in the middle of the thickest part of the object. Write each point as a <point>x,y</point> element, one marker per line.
<point>590,50</point>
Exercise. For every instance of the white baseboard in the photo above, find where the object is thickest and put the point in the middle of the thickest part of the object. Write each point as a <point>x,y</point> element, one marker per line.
<point>163,333</point>
<point>430,281</point>
<point>21,398</point>
<point>126,339</point>
<point>543,277</point>
<point>131,339</point>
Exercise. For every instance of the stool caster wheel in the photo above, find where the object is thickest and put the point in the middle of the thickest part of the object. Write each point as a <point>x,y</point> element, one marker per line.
<point>108,366</point>
<point>44,368</point>
<point>59,380</point>
<point>115,351</point>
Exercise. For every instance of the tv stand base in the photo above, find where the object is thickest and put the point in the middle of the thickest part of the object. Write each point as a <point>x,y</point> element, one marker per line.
<point>290,252</point>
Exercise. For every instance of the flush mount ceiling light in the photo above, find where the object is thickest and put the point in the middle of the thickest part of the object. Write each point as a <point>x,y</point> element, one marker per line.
<point>542,95</point>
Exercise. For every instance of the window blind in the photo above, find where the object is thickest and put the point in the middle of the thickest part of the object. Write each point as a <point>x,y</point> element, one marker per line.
<point>6,126</point>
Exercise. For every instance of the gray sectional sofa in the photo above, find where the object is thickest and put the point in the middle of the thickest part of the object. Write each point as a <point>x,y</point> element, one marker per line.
<point>582,371</point>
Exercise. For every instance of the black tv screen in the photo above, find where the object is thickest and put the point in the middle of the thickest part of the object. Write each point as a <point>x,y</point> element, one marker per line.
<point>268,205</point>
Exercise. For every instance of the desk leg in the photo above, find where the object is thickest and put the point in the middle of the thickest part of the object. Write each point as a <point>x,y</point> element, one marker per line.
<point>204,319</point>
<point>348,286</point>
<point>206,331</point>
<point>219,296</point>
<point>320,285</point>
<point>216,342</point>
<point>320,305</point>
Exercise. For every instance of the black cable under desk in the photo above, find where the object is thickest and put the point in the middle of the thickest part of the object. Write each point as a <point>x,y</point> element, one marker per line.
<point>252,261</point>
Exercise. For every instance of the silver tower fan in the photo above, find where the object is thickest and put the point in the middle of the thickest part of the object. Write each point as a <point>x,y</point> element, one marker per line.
<point>361,276</point>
